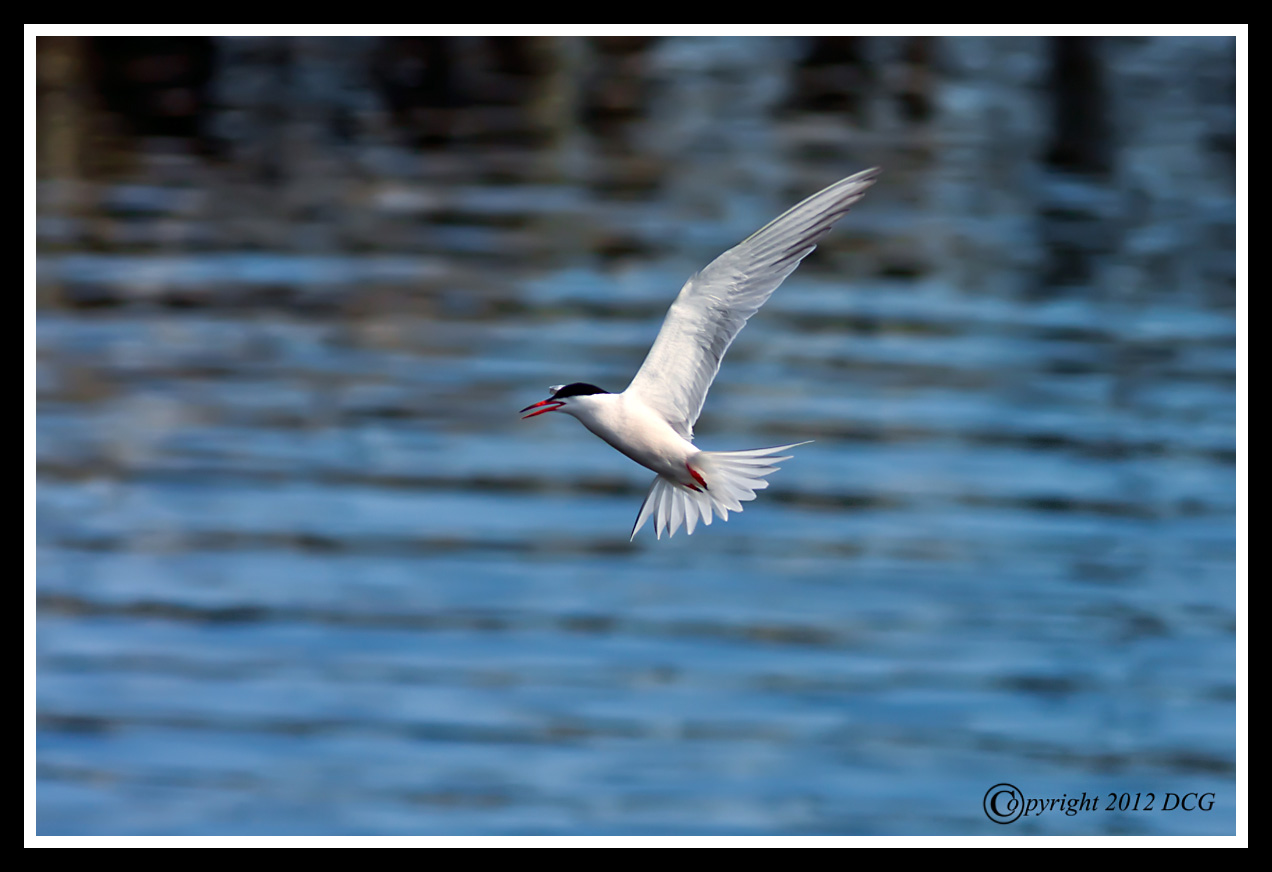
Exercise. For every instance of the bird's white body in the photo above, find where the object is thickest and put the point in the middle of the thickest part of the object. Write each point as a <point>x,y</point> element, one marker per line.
<point>629,425</point>
<point>652,421</point>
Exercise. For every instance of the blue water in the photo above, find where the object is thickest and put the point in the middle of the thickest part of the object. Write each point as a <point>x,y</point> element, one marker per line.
<point>300,576</point>
<point>302,569</point>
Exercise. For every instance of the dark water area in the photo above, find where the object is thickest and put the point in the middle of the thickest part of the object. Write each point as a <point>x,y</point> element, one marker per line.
<point>302,570</point>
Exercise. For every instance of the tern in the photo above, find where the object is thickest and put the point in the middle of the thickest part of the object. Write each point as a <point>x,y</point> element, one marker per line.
<point>652,421</point>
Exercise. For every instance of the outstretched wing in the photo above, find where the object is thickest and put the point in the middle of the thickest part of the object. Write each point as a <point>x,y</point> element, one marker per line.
<point>716,303</point>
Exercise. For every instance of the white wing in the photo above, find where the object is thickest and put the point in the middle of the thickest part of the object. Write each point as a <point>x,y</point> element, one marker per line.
<point>716,302</point>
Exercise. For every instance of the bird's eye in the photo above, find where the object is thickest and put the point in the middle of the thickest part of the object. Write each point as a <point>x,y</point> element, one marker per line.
<point>555,388</point>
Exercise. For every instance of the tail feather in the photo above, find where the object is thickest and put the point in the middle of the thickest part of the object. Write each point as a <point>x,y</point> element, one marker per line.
<point>732,478</point>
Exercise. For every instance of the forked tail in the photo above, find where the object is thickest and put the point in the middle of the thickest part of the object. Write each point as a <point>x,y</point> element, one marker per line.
<point>731,477</point>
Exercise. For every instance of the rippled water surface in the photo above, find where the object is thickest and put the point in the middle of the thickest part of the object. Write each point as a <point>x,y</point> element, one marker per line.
<point>302,570</point>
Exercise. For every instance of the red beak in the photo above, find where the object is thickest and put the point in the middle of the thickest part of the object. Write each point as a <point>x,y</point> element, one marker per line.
<point>552,406</point>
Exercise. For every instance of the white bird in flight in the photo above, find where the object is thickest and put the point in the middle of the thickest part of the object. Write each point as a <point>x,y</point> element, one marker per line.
<point>652,421</point>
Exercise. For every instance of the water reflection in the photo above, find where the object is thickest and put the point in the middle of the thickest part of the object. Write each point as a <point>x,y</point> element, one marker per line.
<point>302,570</point>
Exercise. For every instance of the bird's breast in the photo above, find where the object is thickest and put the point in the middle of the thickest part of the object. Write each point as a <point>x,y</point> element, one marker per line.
<point>641,433</point>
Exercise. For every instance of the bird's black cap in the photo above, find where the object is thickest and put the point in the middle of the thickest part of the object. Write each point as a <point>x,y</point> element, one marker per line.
<point>577,389</point>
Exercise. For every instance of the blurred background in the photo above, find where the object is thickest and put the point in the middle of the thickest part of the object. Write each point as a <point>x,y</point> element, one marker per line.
<point>302,569</point>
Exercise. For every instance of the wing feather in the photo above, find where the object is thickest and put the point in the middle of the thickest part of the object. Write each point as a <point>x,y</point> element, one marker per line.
<point>717,302</point>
